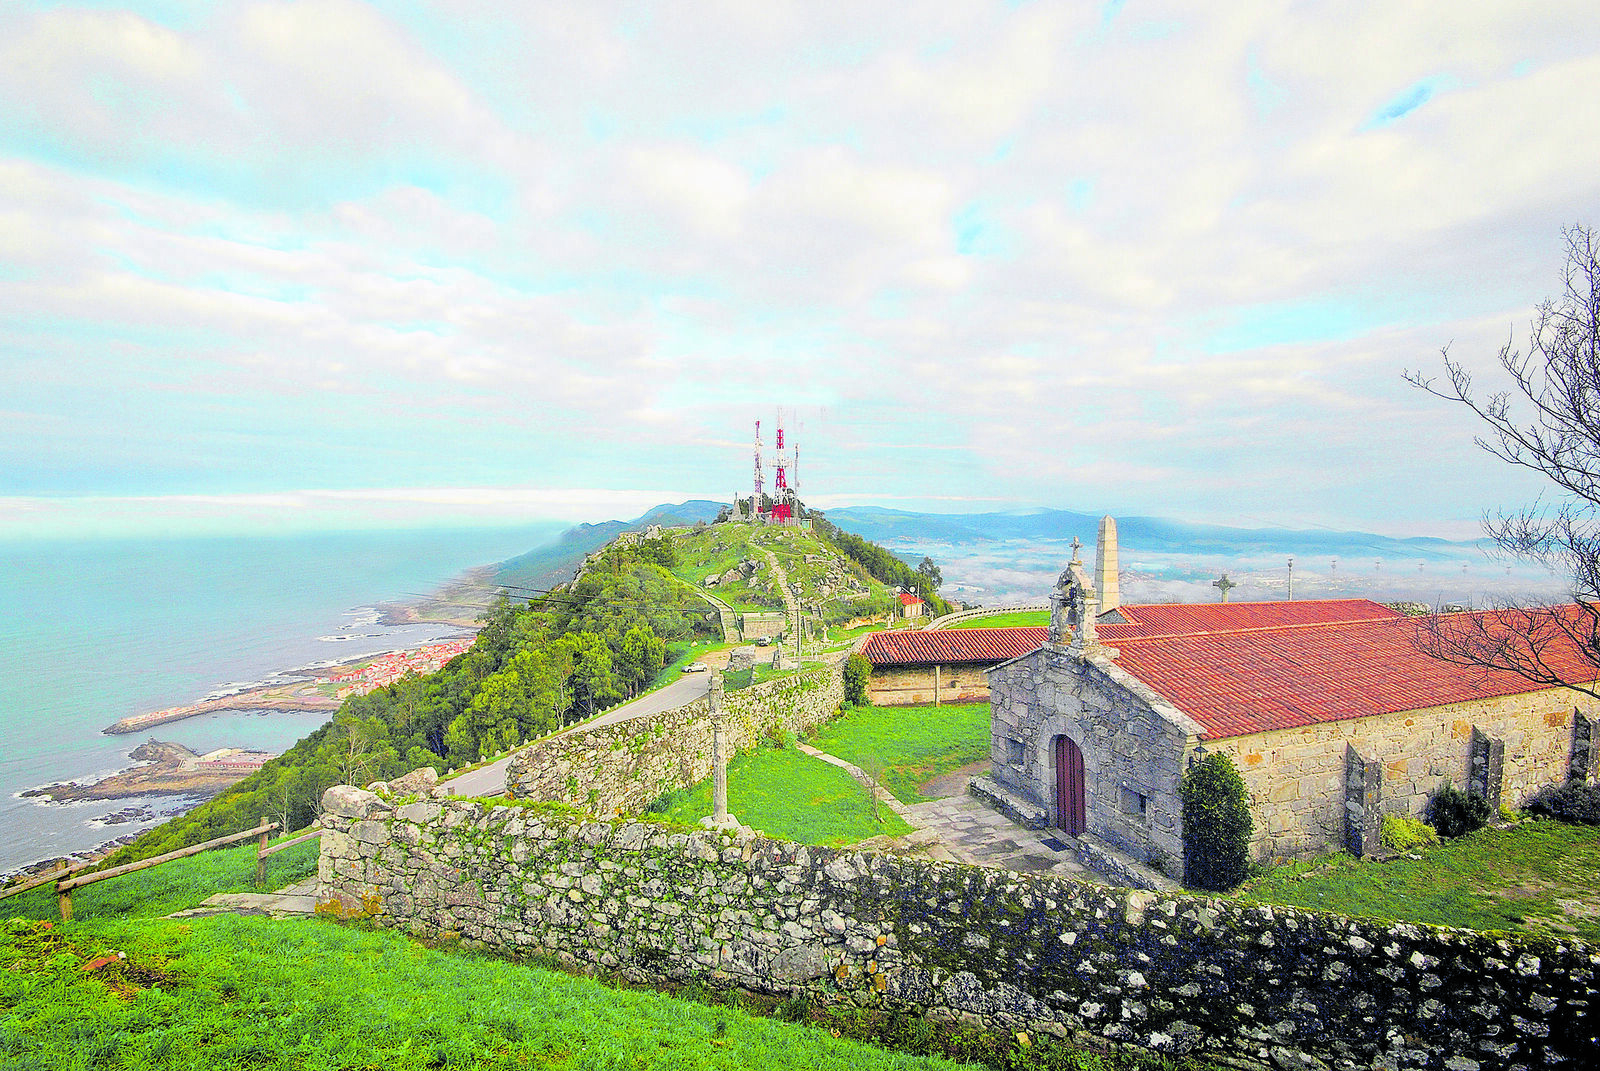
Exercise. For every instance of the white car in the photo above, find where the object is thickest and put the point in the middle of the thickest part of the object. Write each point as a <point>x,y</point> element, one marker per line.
<point>694,667</point>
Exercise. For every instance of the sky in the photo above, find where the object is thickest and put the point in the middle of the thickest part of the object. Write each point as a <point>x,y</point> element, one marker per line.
<point>327,263</point>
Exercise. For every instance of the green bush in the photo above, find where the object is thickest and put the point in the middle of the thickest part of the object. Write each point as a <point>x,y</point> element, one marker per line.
<point>857,671</point>
<point>1216,824</point>
<point>1401,834</point>
<point>1572,802</point>
<point>1453,812</point>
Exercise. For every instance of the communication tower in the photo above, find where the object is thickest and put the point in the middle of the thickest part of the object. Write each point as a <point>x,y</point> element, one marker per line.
<point>785,507</point>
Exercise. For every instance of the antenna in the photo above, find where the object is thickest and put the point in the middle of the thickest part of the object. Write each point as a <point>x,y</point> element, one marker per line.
<point>755,503</point>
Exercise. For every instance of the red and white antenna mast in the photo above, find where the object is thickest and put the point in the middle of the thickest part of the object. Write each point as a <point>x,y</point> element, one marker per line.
<point>760,484</point>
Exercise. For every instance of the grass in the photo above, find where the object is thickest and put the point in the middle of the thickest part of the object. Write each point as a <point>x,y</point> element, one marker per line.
<point>1015,619</point>
<point>233,992</point>
<point>1494,879</point>
<point>790,795</point>
<point>911,744</point>
<point>169,887</point>
<point>680,654</point>
<point>249,992</point>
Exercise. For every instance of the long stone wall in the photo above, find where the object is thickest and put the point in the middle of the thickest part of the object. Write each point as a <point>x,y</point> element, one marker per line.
<point>622,768</point>
<point>1296,777</point>
<point>1262,986</point>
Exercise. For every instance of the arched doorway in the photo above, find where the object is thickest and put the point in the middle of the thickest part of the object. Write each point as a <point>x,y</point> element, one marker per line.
<point>1071,813</point>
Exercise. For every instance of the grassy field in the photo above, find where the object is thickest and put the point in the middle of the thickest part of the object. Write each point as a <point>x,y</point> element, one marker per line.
<point>228,992</point>
<point>792,796</point>
<point>170,887</point>
<point>680,655</point>
<point>237,992</point>
<point>1495,879</point>
<point>1019,619</point>
<point>909,744</point>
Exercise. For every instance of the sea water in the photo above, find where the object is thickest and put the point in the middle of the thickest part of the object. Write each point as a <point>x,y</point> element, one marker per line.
<point>95,630</point>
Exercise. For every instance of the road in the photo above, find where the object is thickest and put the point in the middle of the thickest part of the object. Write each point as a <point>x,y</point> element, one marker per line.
<point>490,780</point>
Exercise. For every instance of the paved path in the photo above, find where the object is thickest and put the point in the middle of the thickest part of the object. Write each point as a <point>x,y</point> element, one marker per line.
<point>490,780</point>
<point>290,902</point>
<point>963,829</point>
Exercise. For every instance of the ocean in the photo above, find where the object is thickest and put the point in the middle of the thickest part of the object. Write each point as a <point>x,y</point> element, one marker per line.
<point>94,630</point>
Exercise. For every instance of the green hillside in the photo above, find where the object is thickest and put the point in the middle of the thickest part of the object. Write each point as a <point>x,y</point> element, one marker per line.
<point>730,561</point>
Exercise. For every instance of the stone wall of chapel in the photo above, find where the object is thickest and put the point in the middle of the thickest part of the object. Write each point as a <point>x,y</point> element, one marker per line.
<point>1132,756</point>
<point>905,685</point>
<point>1296,776</point>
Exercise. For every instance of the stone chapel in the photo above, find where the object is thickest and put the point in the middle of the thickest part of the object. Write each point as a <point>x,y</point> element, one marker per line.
<point>1329,709</point>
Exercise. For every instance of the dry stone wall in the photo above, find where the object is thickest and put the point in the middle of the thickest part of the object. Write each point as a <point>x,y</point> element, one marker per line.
<point>1261,986</point>
<point>624,767</point>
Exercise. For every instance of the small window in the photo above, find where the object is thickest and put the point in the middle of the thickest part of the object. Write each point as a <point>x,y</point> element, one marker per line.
<point>1015,752</point>
<point>1134,802</point>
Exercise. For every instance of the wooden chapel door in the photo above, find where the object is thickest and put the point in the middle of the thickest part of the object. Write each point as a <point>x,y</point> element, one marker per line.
<point>1071,812</point>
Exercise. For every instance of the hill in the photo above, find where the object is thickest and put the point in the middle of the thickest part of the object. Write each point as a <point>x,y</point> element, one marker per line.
<point>556,562</point>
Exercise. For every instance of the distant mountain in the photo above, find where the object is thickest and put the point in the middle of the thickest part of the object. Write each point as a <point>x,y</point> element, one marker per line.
<point>554,563</point>
<point>1134,534</point>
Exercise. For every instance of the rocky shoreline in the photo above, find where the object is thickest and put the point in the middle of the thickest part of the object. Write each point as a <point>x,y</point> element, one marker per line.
<point>166,769</point>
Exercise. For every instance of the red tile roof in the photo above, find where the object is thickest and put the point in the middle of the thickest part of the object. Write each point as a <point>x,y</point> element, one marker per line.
<point>999,644</point>
<point>1181,619</point>
<point>1254,680</point>
<point>906,647</point>
<point>908,599</point>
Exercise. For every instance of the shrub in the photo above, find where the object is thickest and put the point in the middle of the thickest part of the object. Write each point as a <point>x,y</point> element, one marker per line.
<point>1453,812</point>
<point>1573,802</point>
<point>1402,834</point>
<point>857,670</point>
<point>1216,824</point>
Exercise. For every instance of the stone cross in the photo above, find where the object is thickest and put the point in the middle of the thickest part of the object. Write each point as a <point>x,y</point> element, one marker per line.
<point>1224,585</point>
<point>1076,547</point>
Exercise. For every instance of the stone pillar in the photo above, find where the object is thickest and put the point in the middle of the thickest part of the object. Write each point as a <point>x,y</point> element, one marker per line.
<point>1105,566</point>
<point>1487,756</point>
<point>1363,784</point>
<point>719,753</point>
<point>936,684</point>
<point>1585,736</point>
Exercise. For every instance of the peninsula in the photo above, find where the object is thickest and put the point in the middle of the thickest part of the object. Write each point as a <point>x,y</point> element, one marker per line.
<point>169,770</point>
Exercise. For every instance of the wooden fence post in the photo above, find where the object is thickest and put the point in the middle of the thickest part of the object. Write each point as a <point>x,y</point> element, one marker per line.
<point>66,897</point>
<point>261,859</point>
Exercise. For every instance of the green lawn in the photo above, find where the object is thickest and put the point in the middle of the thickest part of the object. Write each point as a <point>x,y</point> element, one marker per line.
<point>909,744</point>
<point>1019,619</point>
<point>233,992</point>
<point>790,795</point>
<point>1494,879</point>
<point>680,654</point>
<point>172,886</point>
<point>249,992</point>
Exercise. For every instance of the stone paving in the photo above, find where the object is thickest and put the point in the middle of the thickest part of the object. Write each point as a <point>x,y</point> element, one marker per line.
<point>966,830</point>
<point>961,828</point>
<point>294,900</point>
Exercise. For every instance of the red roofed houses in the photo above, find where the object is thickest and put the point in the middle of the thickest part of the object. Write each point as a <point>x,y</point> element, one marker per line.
<point>1330,710</point>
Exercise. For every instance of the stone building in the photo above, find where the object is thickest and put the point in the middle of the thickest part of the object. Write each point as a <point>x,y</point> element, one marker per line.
<point>1329,709</point>
<point>942,666</point>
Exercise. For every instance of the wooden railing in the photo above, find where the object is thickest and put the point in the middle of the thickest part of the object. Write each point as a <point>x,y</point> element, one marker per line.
<point>66,882</point>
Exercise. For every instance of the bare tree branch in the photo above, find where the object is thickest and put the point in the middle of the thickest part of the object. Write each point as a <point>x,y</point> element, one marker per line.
<point>1549,424</point>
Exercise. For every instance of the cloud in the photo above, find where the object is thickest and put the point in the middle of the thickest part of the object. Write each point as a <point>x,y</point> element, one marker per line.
<point>1163,258</point>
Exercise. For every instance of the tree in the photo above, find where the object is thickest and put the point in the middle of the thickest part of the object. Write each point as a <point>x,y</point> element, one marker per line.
<point>930,572</point>
<point>1549,423</point>
<point>1216,824</point>
<point>857,671</point>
